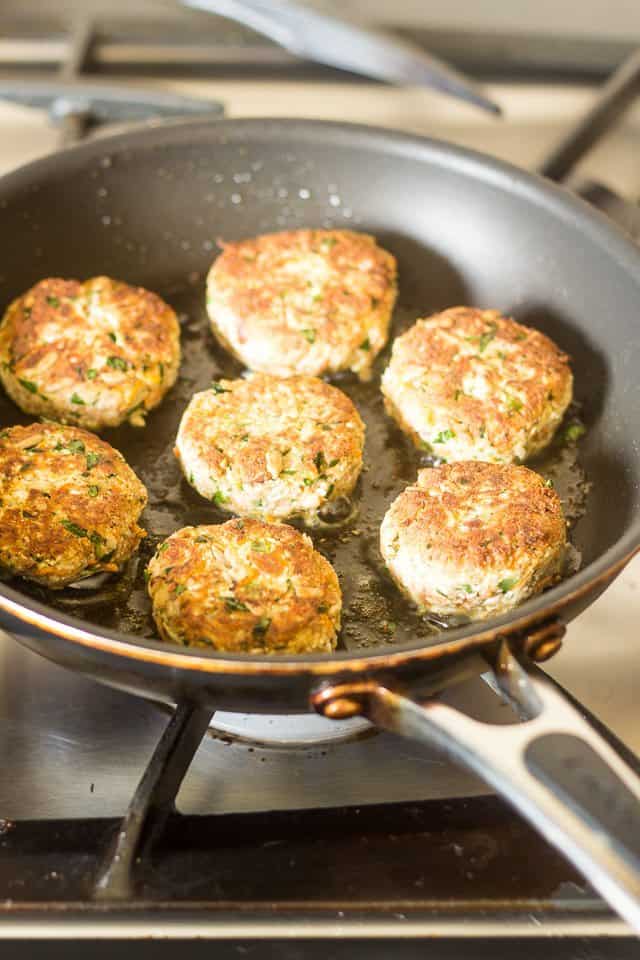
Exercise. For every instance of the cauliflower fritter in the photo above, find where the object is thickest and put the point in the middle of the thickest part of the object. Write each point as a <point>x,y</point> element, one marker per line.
<point>93,354</point>
<point>303,301</point>
<point>474,539</point>
<point>470,384</point>
<point>245,586</point>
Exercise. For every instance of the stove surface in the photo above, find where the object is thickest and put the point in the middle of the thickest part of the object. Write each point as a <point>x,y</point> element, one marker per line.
<point>77,749</point>
<point>72,749</point>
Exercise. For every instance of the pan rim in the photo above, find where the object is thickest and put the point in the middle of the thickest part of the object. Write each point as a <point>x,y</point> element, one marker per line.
<point>468,162</point>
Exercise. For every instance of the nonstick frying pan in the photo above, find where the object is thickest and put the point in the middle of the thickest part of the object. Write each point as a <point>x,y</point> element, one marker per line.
<point>147,207</point>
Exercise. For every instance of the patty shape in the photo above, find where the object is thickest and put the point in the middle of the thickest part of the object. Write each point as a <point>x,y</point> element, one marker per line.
<point>303,301</point>
<point>245,586</point>
<point>271,447</point>
<point>474,539</point>
<point>93,354</point>
<point>470,384</point>
<point>69,504</point>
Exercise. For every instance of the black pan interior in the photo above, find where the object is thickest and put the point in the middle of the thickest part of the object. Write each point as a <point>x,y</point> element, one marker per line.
<point>148,209</point>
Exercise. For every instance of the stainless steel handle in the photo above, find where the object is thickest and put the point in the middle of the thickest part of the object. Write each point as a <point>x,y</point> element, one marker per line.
<point>553,767</point>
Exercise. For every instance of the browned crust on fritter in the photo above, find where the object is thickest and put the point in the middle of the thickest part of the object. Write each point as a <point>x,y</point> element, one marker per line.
<point>141,364</point>
<point>525,515</point>
<point>68,504</point>
<point>522,384</point>
<point>228,441</point>
<point>363,289</point>
<point>288,598</point>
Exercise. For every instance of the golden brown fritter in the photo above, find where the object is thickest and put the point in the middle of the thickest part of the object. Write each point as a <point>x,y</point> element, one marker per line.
<point>69,504</point>
<point>271,447</point>
<point>474,539</point>
<point>303,301</point>
<point>93,354</point>
<point>245,586</point>
<point>470,384</point>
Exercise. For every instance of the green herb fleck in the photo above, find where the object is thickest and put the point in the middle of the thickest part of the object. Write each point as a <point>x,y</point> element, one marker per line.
<point>28,385</point>
<point>147,575</point>
<point>260,546</point>
<point>548,482</point>
<point>219,498</point>
<point>320,461</point>
<point>366,344</point>
<point>444,435</point>
<point>218,388</point>
<point>261,627</point>
<point>138,406</point>
<point>92,460</point>
<point>309,334</point>
<point>73,528</point>
<point>467,588</point>
<point>507,584</point>
<point>487,337</point>
<point>76,399</point>
<point>112,336</point>
<point>117,363</point>
<point>92,374</point>
<point>573,432</point>
<point>53,301</point>
<point>179,588</point>
<point>94,491</point>
<point>235,606</point>
<point>514,404</point>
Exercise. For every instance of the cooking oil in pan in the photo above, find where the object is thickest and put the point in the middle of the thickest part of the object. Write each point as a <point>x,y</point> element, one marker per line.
<point>375,614</point>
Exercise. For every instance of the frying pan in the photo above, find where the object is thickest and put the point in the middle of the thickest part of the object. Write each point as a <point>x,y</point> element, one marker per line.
<point>147,207</point>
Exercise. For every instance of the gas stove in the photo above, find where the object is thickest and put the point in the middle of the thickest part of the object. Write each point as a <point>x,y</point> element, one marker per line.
<point>291,829</point>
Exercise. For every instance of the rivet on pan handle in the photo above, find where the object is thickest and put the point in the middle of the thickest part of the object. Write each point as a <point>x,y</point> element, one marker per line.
<point>554,767</point>
<point>544,640</point>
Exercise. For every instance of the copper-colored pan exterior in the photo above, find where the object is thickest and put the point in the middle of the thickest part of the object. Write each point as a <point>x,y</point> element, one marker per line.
<point>148,206</point>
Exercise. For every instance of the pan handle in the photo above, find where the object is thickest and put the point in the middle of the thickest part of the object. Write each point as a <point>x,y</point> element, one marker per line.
<point>555,769</point>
